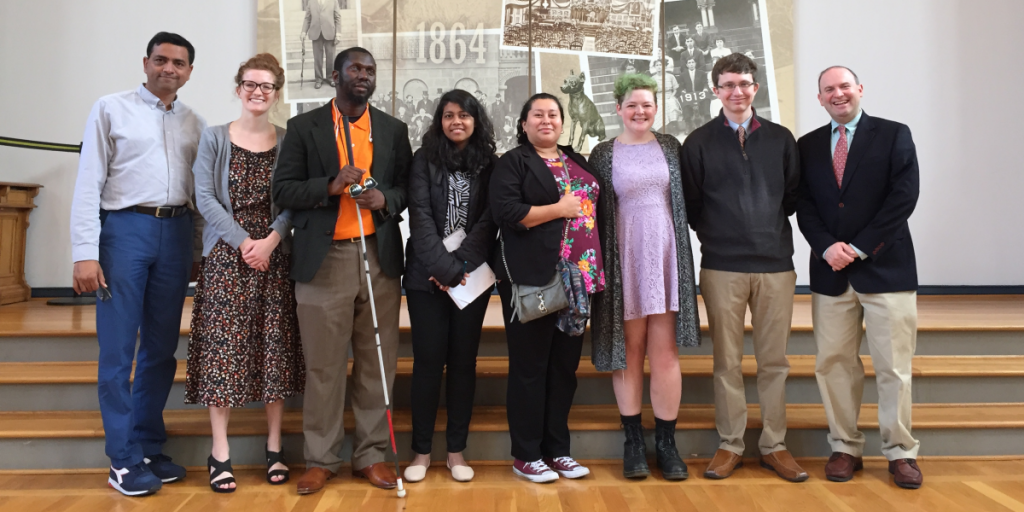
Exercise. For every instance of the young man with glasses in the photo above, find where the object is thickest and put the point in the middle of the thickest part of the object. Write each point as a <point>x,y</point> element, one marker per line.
<point>740,180</point>
<point>132,243</point>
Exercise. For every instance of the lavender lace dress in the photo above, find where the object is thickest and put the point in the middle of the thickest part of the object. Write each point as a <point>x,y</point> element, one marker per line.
<point>645,230</point>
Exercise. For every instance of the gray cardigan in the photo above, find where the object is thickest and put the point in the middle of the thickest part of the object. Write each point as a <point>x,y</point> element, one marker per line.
<point>609,340</point>
<point>213,200</point>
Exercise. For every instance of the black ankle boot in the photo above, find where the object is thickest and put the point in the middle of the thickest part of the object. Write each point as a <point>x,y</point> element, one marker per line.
<point>634,450</point>
<point>669,461</point>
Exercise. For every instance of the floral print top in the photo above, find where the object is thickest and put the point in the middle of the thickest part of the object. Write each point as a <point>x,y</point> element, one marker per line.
<point>582,245</point>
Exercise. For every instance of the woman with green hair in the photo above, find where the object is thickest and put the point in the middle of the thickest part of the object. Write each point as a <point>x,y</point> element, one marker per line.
<point>650,302</point>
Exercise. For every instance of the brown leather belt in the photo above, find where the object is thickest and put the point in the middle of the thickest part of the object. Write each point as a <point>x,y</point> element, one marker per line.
<point>160,212</point>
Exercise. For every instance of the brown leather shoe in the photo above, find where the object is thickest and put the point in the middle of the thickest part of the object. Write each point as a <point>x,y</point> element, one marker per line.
<point>378,474</point>
<point>906,474</point>
<point>782,463</point>
<point>722,465</point>
<point>313,480</point>
<point>841,466</point>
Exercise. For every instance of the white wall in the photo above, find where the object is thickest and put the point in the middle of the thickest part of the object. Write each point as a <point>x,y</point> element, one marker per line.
<point>950,70</point>
<point>947,68</point>
<point>58,56</point>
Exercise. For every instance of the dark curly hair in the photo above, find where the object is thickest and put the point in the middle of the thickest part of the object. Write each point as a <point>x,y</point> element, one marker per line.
<point>520,134</point>
<point>442,152</point>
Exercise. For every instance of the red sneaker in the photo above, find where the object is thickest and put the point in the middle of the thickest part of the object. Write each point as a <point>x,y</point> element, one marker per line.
<point>536,471</point>
<point>567,467</point>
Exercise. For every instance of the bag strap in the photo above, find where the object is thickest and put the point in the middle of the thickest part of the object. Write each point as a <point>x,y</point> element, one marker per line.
<point>565,231</point>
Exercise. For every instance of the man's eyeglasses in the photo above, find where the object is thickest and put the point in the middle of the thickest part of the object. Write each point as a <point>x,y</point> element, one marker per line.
<point>729,87</point>
<point>251,86</point>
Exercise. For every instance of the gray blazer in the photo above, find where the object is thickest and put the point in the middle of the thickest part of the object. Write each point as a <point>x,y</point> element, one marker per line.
<point>609,340</point>
<point>212,199</point>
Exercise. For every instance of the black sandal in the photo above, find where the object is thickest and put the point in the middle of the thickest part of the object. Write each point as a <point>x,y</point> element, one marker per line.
<point>274,458</point>
<point>217,468</point>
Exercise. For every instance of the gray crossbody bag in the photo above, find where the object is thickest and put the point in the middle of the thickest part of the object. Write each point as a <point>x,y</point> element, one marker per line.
<point>532,302</point>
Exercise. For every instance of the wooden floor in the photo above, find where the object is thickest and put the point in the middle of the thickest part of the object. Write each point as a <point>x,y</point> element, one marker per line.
<point>935,313</point>
<point>950,486</point>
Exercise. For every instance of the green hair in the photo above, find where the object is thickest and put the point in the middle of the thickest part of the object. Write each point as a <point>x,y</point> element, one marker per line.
<point>626,84</point>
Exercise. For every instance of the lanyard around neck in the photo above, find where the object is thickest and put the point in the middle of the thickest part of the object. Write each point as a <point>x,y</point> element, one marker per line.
<point>341,123</point>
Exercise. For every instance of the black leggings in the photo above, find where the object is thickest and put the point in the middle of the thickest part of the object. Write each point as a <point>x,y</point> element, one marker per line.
<point>542,364</point>
<point>443,335</point>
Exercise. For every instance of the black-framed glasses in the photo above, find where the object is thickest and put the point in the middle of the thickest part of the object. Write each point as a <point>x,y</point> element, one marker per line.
<point>745,86</point>
<point>251,86</point>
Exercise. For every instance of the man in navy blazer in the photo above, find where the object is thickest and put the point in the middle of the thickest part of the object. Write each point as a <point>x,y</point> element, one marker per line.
<point>858,186</point>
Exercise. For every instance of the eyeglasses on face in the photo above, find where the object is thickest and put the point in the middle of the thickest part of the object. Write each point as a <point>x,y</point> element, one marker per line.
<point>729,86</point>
<point>251,86</point>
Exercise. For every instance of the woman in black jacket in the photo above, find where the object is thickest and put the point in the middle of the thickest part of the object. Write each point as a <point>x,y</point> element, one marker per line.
<point>539,191</point>
<point>448,186</point>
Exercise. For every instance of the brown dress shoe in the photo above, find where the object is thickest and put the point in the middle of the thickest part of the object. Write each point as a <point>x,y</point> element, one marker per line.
<point>378,474</point>
<point>722,465</point>
<point>905,473</point>
<point>782,463</point>
<point>841,466</point>
<point>313,480</point>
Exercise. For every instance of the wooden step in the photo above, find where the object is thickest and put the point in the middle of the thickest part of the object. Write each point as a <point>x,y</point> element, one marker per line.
<point>936,313</point>
<point>497,367</point>
<point>252,422</point>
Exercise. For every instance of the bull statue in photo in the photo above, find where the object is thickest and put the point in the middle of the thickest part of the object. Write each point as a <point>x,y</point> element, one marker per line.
<point>582,112</point>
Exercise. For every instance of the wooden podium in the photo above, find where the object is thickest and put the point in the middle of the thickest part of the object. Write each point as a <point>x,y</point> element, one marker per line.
<point>16,202</point>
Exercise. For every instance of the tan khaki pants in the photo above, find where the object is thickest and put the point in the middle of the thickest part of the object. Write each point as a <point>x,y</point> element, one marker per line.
<point>334,314</point>
<point>891,320</point>
<point>770,297</point>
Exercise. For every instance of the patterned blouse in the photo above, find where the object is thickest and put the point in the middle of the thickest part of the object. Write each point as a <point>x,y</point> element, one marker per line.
<point>582,245</point>
<point>458,201</point>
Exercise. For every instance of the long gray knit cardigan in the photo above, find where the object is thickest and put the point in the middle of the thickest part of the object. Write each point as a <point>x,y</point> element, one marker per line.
<point>609,340</point>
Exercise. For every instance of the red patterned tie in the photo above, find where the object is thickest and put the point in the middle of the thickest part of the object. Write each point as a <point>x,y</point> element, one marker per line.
<point>839,157</point>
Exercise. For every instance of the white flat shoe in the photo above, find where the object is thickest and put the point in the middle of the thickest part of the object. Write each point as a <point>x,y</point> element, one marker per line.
<point>461,473</point>
<point>414,473</point>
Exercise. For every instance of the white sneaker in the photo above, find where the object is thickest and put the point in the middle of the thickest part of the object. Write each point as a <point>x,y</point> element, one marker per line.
<point>414,473</point>
<point>567,467</point>
<point>536,471</point>
<point>461,473</point>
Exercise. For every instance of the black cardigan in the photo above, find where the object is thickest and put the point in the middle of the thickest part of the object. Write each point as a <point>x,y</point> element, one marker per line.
<point>425,254</point>
<point>522,180</point>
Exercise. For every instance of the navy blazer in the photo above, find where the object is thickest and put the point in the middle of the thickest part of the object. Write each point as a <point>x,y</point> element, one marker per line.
<point>880,187</point>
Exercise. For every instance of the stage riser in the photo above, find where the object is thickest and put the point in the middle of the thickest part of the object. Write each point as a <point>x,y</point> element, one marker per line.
<point>192,451</point>
<point>591,391</point>
<point>929,343</point>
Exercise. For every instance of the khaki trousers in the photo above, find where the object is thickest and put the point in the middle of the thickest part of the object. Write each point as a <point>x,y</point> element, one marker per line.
<point>334,314</point>
<point>891,320</point>
<point>770,297</point>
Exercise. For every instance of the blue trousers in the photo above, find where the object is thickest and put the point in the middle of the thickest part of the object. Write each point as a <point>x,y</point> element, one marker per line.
<point>146,262</point>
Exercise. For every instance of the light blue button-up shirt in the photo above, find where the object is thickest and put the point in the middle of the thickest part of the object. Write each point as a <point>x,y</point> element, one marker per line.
<point>744,124</point>
<point>851,129</point>
<point>135,152</point>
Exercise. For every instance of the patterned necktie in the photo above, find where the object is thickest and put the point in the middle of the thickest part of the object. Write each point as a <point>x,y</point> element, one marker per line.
<point>743,136</point>
<point>839,157</point>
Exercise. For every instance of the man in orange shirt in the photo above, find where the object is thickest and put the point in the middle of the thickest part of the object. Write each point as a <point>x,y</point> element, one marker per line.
<point>313,174</point>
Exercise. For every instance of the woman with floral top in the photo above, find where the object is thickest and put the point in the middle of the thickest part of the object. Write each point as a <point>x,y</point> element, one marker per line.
<point>539,192</point>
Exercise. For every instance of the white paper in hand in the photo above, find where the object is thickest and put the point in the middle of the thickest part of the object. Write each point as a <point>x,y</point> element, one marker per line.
<point>479,281</point>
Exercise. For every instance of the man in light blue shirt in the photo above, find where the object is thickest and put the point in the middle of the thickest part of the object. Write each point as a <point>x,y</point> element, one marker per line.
<point>132,243</point>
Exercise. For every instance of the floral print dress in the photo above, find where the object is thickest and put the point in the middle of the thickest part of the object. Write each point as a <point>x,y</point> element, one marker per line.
<point>244,345</point>
<point>582,245</point>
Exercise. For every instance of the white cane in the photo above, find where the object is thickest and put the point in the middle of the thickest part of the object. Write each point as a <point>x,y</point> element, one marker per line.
<point>354,191</point>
